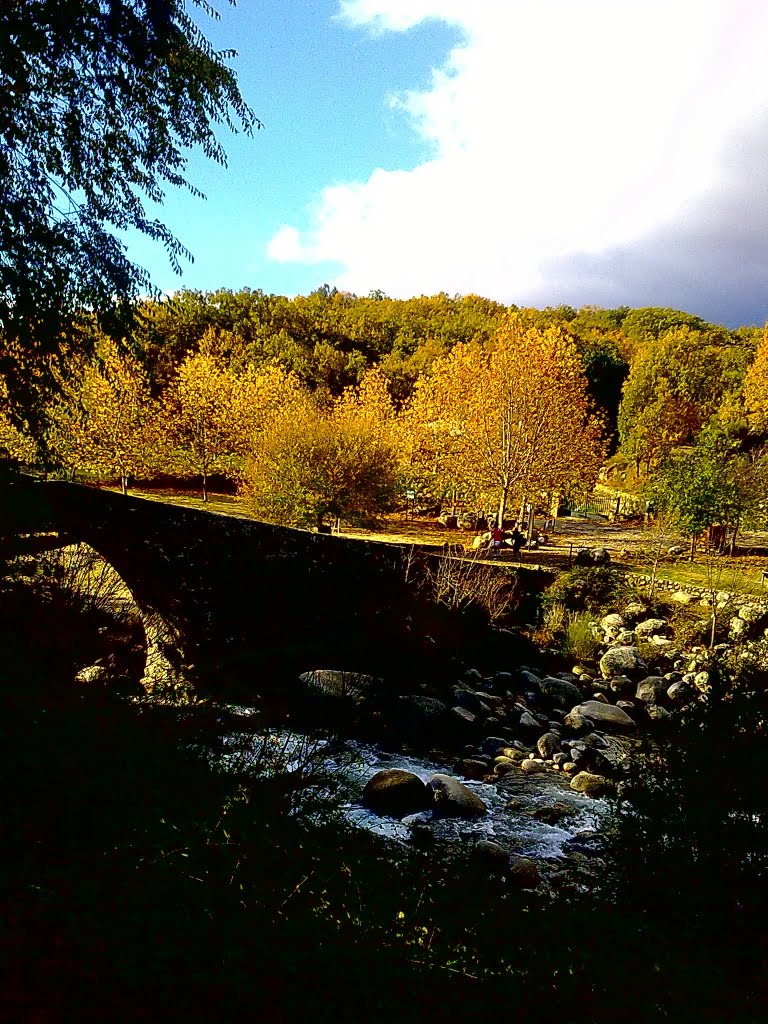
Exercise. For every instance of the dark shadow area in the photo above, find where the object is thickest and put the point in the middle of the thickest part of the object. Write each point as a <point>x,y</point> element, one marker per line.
<point>251,601</point>
<point>142,881</point>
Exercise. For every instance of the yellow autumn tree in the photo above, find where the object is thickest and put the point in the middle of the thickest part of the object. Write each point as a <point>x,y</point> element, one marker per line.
<point>98,422</point>
<point>510,420</point>
<point>193,425</point>
<point>369,405</point>
<point>675,384</point>
<point>258,396</point>
<point>15,444</point>
<point>212,415</point>
<point>756,389</point>
<point>310,463</point>
<point>427,438</point>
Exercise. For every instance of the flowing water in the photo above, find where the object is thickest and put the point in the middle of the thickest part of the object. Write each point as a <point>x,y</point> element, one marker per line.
<point>512,803</point>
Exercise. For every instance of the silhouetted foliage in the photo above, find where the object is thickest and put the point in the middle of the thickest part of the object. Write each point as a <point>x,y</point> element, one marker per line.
<point>101,101</point>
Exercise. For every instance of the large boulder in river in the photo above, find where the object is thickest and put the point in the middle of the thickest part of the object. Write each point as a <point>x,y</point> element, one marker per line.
<point>680,692</point>
<point>397,793</point>
<point>603,716</point>
<point>549,744</point>
<point>592,785</point>
<point>469,700</point>
<point>462,719</point>
<point>474,768</point>
<point>452,799</point>
<point>652,690</point>
<point>491,855</point>
<point>524,872</point>
<point>419,717</point>
<point>491,745</point>
<point>331,682</point>
<point>559,692</point>
<point>621,661</point>
<point>530,680</point>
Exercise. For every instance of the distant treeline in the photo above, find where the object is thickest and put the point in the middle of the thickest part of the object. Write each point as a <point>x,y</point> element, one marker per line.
<point>312,402</point>
<point>329,338</point>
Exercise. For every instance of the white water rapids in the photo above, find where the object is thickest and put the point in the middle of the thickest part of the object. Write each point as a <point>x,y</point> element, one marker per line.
<point>511,803</point>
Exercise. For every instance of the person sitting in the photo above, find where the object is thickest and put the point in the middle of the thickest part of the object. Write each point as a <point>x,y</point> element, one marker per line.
<point>497,539</point>
<point>516,540</point>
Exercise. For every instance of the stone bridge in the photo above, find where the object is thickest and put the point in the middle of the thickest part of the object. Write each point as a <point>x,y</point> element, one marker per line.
<point>230,604</point>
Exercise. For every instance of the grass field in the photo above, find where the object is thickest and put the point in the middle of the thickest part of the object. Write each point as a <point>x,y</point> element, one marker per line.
<point>742,575</point>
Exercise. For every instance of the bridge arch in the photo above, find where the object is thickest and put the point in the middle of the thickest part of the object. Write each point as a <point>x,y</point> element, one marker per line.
<point>229,603</point>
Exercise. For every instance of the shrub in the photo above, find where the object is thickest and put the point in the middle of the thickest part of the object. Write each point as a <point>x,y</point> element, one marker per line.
<point>460,584</point>
<point>569,632</point>
<point>554,621</point>
<point>307,468</point>
<point>580,644</point>
<point>587,588</point>
<point>688,626</point>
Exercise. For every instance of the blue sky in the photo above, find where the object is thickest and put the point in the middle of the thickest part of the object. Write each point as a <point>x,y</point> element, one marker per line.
<point>579,151</point>
<point>321,90</point>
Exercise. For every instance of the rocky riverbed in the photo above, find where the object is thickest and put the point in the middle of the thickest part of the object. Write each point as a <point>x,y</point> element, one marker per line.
<point>535,827</point>
<point>518,763</point>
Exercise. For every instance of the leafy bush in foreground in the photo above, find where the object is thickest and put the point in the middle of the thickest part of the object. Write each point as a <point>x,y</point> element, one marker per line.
<point>585,588</point>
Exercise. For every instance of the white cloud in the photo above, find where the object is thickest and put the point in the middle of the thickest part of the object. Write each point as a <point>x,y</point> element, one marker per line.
<point>557,128</point>
<point>285,246</point>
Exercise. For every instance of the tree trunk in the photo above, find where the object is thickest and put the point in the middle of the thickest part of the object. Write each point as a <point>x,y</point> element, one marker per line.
<point>124,483</point>
<point>693,546</point>
<point>521,516</point>
<point>205,487</point>
<point>733,540</point>
<point>501,509</point>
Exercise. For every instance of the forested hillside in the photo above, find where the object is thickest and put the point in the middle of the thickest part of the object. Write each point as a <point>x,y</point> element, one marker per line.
<point>370,397</point>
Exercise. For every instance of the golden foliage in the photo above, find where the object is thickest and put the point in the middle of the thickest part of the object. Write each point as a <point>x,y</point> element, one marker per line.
<point>310,463</point>
<point>756,389</point>
<point>193,423</point>
<point>509,420</point>
<point>211,416</point>
<point>675,385</point>
<point>15,443</point>
<point>312,466</point>
<point>98,422</point>
<point>257,397</point>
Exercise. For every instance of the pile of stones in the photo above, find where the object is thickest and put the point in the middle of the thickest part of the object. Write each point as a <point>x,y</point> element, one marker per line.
<point>584,724</point>
<point>562,723</point>
<point>676,675</point>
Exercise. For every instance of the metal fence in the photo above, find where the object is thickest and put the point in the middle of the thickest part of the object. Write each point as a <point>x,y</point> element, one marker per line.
<point>618,506</point>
